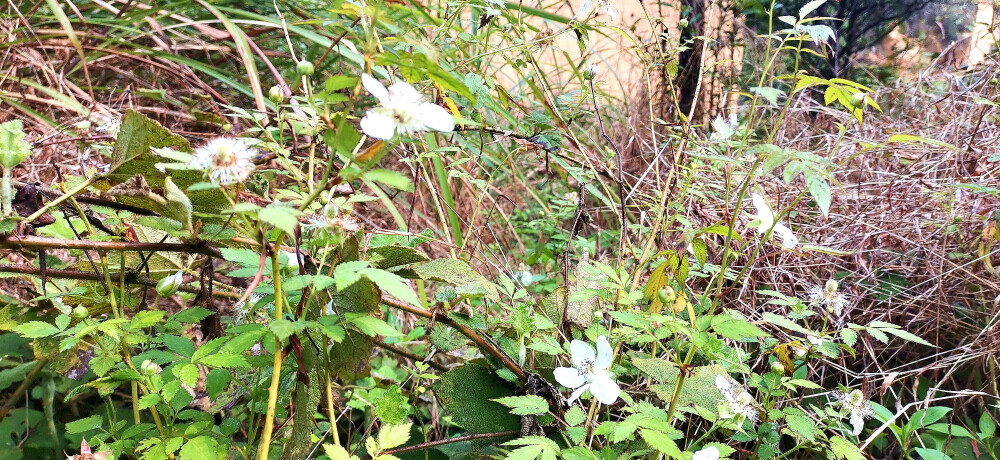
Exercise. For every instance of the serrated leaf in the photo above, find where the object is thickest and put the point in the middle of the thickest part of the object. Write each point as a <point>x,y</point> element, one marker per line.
<point>372,326</point>
<point>525,405</point>
<point>392,284</point>
<point>393,436</point>
<point>281,216</point>
<point>36,329</point>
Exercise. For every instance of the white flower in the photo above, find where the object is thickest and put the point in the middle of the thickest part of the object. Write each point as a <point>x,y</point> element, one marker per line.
<point>402,110</point>
<point>856,407</point>
<point>766,216</point>
<point>739,403</point>
<point>829,297</point>
<point>590,371</point>
<point>814,341</point>
<point>227,160</point>
<point>524,275</point>
<point>111,127</point>
<point>708,453</point>
<point>604,5</point>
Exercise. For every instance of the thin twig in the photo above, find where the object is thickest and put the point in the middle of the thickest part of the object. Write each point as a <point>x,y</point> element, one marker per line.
<point>131,277</point>
<point>37,242</point>
<point>441,442</point>
<point>490,348</point>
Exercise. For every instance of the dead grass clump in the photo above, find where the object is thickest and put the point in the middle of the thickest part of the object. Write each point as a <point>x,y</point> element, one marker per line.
<point>916,222</point>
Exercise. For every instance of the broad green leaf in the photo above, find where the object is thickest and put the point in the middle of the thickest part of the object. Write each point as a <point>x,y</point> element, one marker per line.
<point>36,329</point>
<point>467,282</point>
<point>392,284</point>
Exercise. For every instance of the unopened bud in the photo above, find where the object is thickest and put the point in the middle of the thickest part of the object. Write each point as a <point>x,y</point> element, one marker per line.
<point>667,295</point>
<point>305,68</point>
<point>276,95</point>
<point>169,285</point>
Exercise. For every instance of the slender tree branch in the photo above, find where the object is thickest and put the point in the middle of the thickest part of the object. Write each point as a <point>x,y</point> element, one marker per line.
<point>441,442</point>
<point>131,277</point>
<point>485,345</point>
<point>37,242</point>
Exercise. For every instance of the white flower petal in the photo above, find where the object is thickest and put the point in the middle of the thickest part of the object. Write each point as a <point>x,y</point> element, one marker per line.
<point>858,422</point>
<point>604,389</point>
<point>436,117</point>
<point>708,453</point>
<point>576,394</point>
<point>788,239</point>
<point>379,125</point>
<point>605,355</point>
<point>569,377</point>
<point>764,213</point>
<point>583,354</point>
<point>375,87</point>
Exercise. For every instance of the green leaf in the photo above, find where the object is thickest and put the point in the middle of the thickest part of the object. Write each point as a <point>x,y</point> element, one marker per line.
<point>372,326</point>
<point>392,284</point>
<point>781,321</point>
<point>13,148</point>
<point>179,205</point>
<point>660,370</point>
<point>467,393</point>
<point>200,448</point>
<point>931,454</point>
<point>393,436</point>
<point>575,416</point>
<point>819,189</point>
<point>281,216</point>
<point>146,318</point>
<point>392,408</point>
<point>769,94</point>
<point>661,442</point>
<point>137,135</point>
<point>36,329</point>
<point>187,373</point>
<point>908,336</point>
<point>987,426</point>
<point>844,449</point>
<point>226,360</point>
<point>338,453</point>
<point>736,329</point>
<point>801,425</point>
<point>85,424</point>
<point>283,328</point>
<point>525,405</point>
<point>468,282</point>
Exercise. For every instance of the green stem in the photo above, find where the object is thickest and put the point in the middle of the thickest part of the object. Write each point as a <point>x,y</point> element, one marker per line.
<point>272,396</point>
<point>7,192</point>
<point>449,202</point>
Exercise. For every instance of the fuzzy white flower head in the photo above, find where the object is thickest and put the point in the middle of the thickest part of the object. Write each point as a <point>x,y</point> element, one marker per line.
<point>829,297</point>
<point>739,404</point>
<point>708,453</point>
<point>767,222</point>
<point>590,371</point>
<point>225,159</point>
<point>402,110</point>
<point>856,407</point>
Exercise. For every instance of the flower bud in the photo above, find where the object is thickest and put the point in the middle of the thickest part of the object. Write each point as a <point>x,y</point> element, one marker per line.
<point>858,99</point>
<point>683,23</point>
<point>169,285</point>
<point>305,68</point>
<point>276,95</point>
<point>777,368</point>
<point>590,72</point>
<point>831,286</point>
<point>80,312</point>
<point>150,368</point>
<point>667,295</point>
